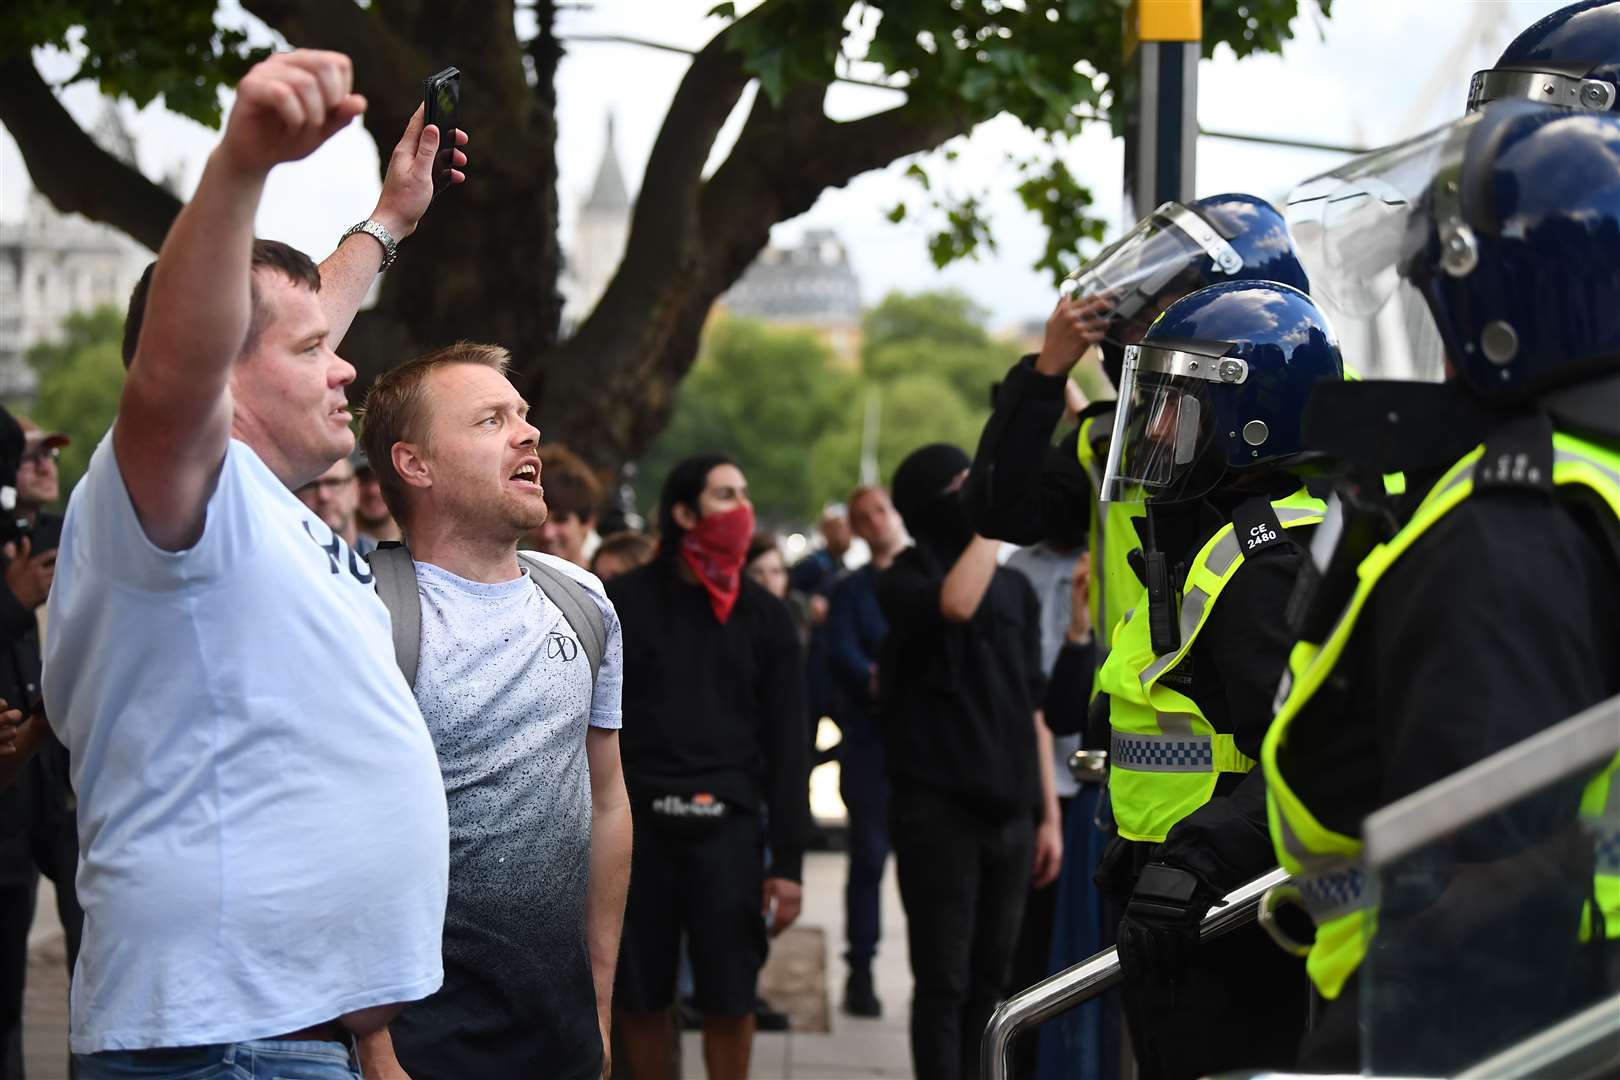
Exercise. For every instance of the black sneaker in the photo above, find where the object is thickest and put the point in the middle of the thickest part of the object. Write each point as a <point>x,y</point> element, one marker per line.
<point>860,999</point>
<point>769,1018</point>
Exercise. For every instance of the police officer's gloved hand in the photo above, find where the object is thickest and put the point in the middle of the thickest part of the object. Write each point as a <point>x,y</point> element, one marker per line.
<point>1160,928</point>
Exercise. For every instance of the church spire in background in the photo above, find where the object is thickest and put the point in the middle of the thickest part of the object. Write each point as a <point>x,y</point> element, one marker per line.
<point>608,193</point>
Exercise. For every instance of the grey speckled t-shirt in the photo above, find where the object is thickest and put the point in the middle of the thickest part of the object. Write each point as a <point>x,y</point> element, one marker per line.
<point>506,691</point>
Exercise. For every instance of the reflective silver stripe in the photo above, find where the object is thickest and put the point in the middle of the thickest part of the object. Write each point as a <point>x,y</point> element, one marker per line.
<point>1219,562</point>
<point>1192,612</point>
<point>1176,723</point>
<point>1329,894</point>
<point>1224,554</point>
<point>1570,457</point>
<point>1162,753</point>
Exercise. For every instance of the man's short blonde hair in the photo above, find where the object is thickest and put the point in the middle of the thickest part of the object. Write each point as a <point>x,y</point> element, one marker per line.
<point>395,411</point>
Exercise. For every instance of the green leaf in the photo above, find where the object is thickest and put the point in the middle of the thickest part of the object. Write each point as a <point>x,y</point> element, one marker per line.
<point>897,213</point>
<point>917,173</point>
<point>726,10</point>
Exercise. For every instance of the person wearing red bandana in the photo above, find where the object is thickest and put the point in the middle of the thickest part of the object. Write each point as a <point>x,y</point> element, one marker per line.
<point>716,759</point>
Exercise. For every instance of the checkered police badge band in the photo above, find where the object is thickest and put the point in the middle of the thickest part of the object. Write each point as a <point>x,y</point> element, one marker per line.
<point>1333,893</point>
<point>1163,753</point>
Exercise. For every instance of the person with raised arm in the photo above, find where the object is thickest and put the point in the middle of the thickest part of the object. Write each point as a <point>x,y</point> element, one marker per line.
<point>261,815</point>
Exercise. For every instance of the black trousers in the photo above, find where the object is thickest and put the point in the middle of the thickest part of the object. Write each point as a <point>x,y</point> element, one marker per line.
<point>52,849</point>
<point>1032,955</point>
<point>963,880</point>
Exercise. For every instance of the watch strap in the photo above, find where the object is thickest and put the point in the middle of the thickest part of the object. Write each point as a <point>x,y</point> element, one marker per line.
<point>378,232</point>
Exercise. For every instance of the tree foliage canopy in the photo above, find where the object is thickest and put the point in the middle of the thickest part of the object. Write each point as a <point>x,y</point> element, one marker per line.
<point>794,415</point>
<point>1054,65</point>
<point>80,378</point>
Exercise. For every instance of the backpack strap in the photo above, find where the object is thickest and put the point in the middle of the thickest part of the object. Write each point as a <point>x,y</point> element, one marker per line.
<point>395,571</point>
<point>576,605</point>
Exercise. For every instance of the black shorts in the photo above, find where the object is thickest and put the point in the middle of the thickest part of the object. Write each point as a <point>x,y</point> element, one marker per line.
<point>706,880</point>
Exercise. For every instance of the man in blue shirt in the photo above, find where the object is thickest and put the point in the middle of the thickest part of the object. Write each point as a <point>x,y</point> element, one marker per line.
<point>854,632</point>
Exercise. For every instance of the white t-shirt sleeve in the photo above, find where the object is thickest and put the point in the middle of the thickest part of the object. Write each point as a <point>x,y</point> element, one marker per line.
<point>107,530</point>
<point>607,698</point>
<point>606,701</point>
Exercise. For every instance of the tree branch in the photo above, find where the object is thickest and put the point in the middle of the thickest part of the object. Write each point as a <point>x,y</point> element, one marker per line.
<point>388,69</point>
<point>67,166</point>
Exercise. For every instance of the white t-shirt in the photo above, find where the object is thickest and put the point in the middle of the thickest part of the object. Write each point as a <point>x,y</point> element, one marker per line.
<point>262,822</point>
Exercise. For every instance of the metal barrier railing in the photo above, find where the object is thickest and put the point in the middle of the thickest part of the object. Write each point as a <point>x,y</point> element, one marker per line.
<point>1079,984</point>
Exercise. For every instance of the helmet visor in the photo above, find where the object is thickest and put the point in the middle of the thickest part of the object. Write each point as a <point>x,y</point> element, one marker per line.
<point>1160,260</point>
<point>1356,227</point>
<point>1162,425</point>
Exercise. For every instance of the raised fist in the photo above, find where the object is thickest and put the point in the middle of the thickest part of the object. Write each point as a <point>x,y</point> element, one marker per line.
<point>287,106</point>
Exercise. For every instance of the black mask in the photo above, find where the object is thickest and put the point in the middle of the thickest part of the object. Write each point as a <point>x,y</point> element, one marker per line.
<point>936,517</point>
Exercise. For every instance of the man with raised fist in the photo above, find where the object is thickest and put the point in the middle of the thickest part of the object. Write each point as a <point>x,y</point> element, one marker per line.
<point>260,810</point>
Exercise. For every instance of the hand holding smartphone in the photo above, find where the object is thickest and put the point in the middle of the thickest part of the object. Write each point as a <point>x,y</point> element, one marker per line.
<point>441,102</point>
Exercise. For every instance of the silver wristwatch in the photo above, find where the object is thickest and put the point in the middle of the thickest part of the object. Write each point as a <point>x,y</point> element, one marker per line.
<point>380,234</point>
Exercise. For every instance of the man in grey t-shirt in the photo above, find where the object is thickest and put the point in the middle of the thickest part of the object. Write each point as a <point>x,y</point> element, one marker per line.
<point>527,735</point>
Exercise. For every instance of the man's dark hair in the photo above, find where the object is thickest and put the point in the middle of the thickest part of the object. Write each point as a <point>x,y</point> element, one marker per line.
<point>571,487</point>
<point>759,545</point>
<point>684,484</point>
<point>284,259</point>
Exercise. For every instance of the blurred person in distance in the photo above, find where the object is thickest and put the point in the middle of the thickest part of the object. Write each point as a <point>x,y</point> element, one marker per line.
<point>371,515</point>
<point>620,553</point>
<point>333,496</point>
<point>573,494</point>
<point>768,569</point>
<point>38,830</point>
<point>855,631</point>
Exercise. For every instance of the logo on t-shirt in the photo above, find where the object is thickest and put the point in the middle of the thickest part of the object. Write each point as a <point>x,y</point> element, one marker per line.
<point>358,567</point>
<point>561,647</point>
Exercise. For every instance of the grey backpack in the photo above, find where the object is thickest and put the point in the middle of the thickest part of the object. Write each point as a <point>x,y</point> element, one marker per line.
<point>396,584</point>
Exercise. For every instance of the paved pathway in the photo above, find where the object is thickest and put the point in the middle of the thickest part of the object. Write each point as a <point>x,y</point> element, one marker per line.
<point>854,1048</point>
<point>45,1003</point>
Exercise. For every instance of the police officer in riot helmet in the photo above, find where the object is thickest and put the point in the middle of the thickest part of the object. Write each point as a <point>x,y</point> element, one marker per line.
<point>1020,492</point>
<point>1024,489</point>
<point>1480,607</point>
<point>1207,438</point>
<point>1569,59</point>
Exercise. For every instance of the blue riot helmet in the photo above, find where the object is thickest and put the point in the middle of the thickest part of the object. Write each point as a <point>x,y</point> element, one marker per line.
<point>1215,390</point>
<point>1506,222</point>
<point>1178,249</point>
<point>1570,59</point>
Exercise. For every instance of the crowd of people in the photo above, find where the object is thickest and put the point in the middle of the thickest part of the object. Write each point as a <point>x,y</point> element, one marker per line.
<point>376,757</point>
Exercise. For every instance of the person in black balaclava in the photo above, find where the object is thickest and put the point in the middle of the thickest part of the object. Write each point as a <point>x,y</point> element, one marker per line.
<point>973,809</point>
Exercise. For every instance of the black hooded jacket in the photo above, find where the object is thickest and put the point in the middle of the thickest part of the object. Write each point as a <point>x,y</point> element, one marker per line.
<point>957,700</point>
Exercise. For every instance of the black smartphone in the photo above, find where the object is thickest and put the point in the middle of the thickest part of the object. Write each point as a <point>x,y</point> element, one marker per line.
<point>441,101</point>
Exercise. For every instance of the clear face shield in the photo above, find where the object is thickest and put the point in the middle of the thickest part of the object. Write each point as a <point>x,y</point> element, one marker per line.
<point>1162,425</point>
<point>1357,227</point>
<point>1153,265</point>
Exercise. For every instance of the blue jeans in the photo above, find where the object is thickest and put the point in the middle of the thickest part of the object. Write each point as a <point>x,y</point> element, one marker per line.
<point>261,1059</point>
<point>864,788</point>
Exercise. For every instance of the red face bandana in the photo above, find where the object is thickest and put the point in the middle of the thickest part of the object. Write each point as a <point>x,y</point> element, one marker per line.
<point>714,549</point>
